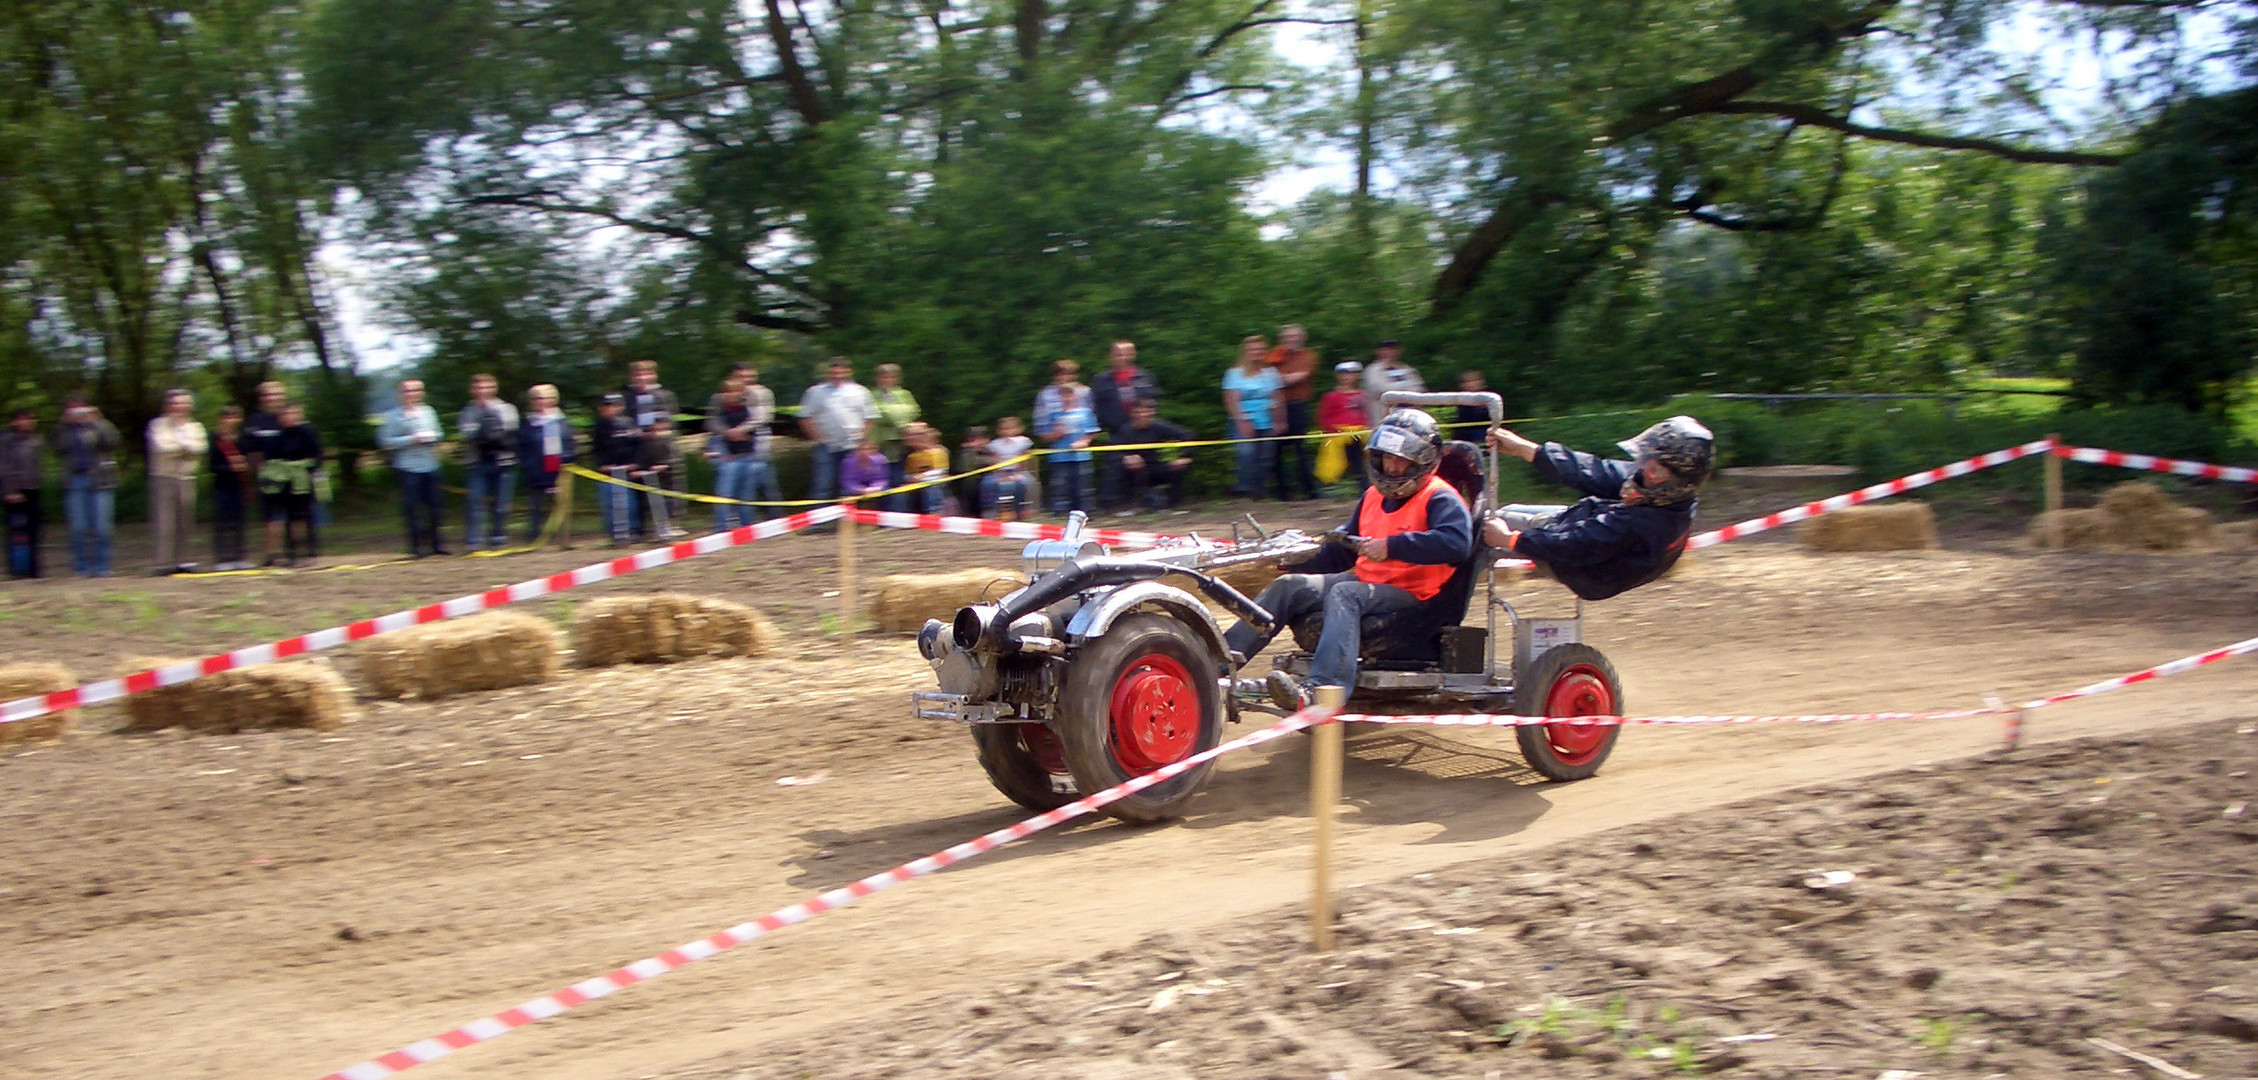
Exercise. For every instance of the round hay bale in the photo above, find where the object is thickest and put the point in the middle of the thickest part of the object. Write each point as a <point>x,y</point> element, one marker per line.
<point>482,652</point>
<point>1896,526</point>
<point>299,695</point>
<point>662,628</point>
<point>901,603</point>
<point>2132,516</point>
<point>24,680</point>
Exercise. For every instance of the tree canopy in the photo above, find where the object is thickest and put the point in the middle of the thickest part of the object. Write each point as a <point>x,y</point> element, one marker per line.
<point>1607,200</point>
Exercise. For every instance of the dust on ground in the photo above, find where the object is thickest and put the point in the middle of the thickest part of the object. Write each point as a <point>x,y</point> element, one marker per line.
<point>1988,918</point>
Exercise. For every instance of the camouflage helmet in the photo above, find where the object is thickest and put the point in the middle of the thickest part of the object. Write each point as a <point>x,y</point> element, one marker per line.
<point>1411,435</point>
<point>1682,446</point>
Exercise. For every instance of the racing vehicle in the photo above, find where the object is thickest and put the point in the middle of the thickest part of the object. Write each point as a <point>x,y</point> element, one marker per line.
<point>1097,670</point>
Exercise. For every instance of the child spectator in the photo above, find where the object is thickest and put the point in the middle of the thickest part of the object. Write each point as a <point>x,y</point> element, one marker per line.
<point>291,479</point>
<point>731,440</point>
<point>22,474</point>
<point>544,447</point>
<point>1473,417</point>
<point>972,456</point>
<point>925,462</point>
<point>616,444</point>
<point>654,467</point>
<point>1068,437</point>
<point>1008,490</point>
<point>1341,414</point>
<point>865,471</point>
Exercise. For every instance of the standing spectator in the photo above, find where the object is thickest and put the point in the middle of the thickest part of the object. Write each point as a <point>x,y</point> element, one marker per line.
<point>544,448</point>
<point>1150,478</point>
<point>925,461</point>
<point>1471,416</point>
<point>834,415</point>
<point>1008,490</point>
<point>1296,365</point>
<point>1250,394</point>
<point>654,466</point>
<point>293,480</point>
<point>615,444</point>
<point>761,401</point>
<point>231,489</point>
<point>864,471</point>
<point>1071,426</point>
<point>646,402</point>
<point>1064,374</point>
<point>87,445</point>
<point>734,440</point>
<point>488,426</point>
<point>1341,414</point>
<point>410,434</point>
<point>1388,372</point>
<point>261,428</point>
<point>22,474</point>
<point>1110,397</point>
<point>897,410</point>
<point>177,444</point>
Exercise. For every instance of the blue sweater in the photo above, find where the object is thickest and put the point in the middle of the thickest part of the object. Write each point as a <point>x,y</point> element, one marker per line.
<point>1602,547</point>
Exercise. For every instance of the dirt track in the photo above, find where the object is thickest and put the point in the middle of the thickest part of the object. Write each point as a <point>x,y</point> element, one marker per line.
<point>281,905</point>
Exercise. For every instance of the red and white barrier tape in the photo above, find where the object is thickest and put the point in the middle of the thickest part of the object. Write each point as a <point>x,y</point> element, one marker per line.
<point>1506,720</point>
<point>2205,470</point>
<point>95,693</point>
<point>1884,490</point>
<point>546,1006</point>
<point>2183,664</point>
<point>1009,530</point>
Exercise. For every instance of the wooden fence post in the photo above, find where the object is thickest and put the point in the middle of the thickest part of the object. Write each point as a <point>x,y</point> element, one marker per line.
<point>2053,494</point>
<point>1324,799</point>
<point>847,572</point>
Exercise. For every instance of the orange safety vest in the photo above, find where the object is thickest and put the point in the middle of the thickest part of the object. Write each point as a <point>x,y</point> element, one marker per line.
<point>1422,580</point>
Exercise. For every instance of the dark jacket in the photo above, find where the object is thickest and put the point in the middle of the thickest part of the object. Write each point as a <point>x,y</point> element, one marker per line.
<point>1111,405</point>
<point>20,463</point>
<point>222,467</point>
<point>614,441</point>
<point>1601,547</point>
<point>89,449</point>
<point>531,459</point>
<point>1161,432</point>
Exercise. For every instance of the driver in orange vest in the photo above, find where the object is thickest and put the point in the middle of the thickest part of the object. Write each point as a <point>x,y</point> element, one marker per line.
<point>1412,529</point>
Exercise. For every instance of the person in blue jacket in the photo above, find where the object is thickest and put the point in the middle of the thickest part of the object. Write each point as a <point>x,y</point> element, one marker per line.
<point>1635,517</point>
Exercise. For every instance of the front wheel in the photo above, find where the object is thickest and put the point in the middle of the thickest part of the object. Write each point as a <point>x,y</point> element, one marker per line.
<point>1568,680</point>
<point>1145,695</point>
<point>1026,762</point>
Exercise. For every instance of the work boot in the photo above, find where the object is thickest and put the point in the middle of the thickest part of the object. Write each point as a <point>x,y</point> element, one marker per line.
<point>1285,692</point>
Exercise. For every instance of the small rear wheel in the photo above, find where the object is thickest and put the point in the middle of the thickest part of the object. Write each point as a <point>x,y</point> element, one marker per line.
<point>1568,680</point>
<point>1144,696</point>
<point>1027,763</point>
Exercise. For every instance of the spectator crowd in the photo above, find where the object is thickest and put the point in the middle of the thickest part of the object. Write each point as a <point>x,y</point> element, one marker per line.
<point>1104,444</point>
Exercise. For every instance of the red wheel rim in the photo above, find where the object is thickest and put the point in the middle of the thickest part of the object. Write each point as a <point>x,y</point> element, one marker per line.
<point>1155,713</point>
<point>1579,691</point>
<point>1042,744</point>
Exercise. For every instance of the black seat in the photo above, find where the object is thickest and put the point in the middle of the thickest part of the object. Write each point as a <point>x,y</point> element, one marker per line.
<point>1413,639</point>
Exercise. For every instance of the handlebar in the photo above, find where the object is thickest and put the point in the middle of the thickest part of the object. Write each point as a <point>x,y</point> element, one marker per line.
<point>1421,399</point>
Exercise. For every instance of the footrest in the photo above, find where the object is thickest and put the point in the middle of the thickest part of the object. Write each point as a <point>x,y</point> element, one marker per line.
<point>954,707</point>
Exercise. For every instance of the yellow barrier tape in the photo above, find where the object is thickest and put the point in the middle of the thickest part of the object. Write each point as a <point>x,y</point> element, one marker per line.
<point>716,500</point>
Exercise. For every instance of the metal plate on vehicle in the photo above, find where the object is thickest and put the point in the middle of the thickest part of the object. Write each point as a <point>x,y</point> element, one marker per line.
<point>954,707</point>
<point>1533,638</point>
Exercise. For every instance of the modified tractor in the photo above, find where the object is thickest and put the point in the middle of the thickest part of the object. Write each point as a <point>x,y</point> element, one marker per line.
<point>1098,671</point>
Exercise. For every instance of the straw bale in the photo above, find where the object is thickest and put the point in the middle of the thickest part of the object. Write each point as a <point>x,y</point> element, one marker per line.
<point>24,680</point>
<point>2133,516</point>
<point>2238,535</point>
<point>661,628</point>
<point>902,602</point>
<point>299,695</point>
<point>481,652</point>
<point>1896,526</point>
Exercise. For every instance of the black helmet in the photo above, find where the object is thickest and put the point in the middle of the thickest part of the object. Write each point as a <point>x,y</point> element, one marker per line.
<point>1681,445</point>
<point>1408,434</point>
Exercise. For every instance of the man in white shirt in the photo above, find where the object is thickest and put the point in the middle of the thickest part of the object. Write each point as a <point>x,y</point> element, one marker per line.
<point>1387,372</point>
<point>834,415</point>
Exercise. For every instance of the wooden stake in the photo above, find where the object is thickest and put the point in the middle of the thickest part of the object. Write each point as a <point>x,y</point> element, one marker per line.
<point>2053,495</point>
<point>1324,799</point>
<point>847,572</point>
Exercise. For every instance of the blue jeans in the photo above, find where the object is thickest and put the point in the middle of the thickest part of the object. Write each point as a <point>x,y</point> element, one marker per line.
<point>617,504</point>
<point>490,485</point>
<point>1257,460</point>
<point>1070,485</point>
<point>761,481</point>
<point>823,471</point>
<point>419,504</point>
<point>91,512</point>
<point>732,479</point>
<point>1343,598</point>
